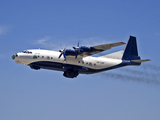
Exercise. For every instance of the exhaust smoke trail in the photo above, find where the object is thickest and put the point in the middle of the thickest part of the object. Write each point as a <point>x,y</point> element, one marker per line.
<point>148,74</point>
<point>151,67</point>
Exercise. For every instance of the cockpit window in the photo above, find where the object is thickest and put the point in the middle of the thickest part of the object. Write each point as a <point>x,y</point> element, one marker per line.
<point>28,52</point>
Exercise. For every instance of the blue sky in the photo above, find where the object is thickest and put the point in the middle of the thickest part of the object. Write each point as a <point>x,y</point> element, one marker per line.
<point>127,93</point>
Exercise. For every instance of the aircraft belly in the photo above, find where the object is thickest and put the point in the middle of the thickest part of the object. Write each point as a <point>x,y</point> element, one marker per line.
<point>64,67</point>
<point>57,66</point>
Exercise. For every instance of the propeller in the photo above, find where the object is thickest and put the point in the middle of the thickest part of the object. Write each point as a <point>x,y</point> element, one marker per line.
<point>62,53</point>
<point>77,50</point>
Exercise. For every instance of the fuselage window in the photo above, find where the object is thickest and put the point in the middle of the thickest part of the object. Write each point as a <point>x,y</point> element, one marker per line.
<point>90,63</point>
<point>42,56</point>
<point>47,57</point>
<point>86,62</point>
<point>94,64</point>
<point>78,61</point>
<point>82,62</point>
<point>51,57</point>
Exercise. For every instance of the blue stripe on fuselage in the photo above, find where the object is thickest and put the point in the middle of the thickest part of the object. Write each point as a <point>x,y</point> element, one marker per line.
<point>81,69</point>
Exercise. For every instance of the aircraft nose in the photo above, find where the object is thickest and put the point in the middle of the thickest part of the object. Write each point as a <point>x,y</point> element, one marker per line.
<point>14,56</point>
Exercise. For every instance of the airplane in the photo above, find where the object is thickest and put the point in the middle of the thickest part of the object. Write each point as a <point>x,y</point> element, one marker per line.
<point>80,59</point>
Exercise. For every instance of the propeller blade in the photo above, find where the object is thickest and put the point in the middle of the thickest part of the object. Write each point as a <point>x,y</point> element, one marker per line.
<point>64,55</point>
<point>63,51</point>
<point>60,56</point>
<point>77,50</point>
<point>78,44</point>
<point>80,49</point>
<point>76,54</point>
<point>65,48</point>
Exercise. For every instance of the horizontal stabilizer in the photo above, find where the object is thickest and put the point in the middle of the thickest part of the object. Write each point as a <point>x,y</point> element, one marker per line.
<point>140,61</point>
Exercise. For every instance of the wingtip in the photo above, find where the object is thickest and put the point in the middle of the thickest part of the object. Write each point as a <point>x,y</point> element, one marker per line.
<point>122,42</point>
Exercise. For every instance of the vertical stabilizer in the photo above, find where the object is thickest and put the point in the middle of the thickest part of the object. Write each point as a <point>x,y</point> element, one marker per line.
<point>130,50</point>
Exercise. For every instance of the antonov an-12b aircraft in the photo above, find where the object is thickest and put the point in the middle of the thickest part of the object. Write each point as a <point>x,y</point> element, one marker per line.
<point>80,60</point>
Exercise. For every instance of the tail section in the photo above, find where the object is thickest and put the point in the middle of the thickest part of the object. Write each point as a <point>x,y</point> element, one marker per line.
<point>116,55</point>
<point>130,53</point>
<point>130,50</point>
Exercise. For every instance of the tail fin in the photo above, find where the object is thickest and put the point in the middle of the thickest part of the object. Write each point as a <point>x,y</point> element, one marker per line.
<point>130,50</point>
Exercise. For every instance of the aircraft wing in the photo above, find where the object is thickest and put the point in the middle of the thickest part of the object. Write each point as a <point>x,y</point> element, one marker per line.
<point>101,48</point>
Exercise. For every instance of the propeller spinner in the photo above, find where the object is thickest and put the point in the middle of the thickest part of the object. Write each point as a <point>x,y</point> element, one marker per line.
<point>62,53</point>
<point>77,50</point>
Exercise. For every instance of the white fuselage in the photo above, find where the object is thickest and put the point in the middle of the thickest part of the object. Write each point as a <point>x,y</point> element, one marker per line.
<point>37,55</point>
